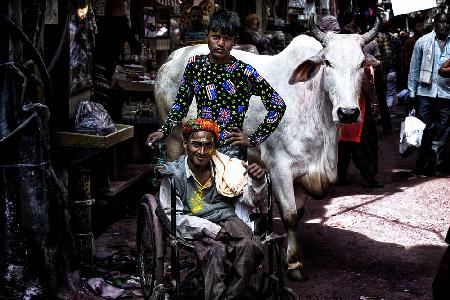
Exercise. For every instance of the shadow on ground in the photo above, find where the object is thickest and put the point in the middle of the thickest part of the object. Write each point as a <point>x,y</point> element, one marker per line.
<point>346,265</point>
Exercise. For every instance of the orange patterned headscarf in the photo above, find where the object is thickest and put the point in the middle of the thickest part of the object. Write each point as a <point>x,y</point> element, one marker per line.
<point>193,125</point>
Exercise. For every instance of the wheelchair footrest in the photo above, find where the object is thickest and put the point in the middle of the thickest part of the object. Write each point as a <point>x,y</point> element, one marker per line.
<point>271,238</point>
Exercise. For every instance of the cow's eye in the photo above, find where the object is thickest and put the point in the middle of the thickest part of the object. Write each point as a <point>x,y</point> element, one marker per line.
<point>327,63</point>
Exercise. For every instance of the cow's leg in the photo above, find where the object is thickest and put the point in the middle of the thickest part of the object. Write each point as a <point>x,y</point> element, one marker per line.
<point>285,195</point>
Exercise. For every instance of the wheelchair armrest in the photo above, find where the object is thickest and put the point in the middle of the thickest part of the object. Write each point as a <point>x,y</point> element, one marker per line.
<point>165,222</point>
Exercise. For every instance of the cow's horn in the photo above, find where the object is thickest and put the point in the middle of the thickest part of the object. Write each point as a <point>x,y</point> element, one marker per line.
<point>370,35</point>
<point>315,31</point>
<point>318,34</point>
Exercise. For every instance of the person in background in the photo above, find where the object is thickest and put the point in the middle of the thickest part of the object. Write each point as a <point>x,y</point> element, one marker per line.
<point>393,65</point>
<point>222,86</point>
<point>330,23</point>
<point>174,34</point>
<point>386,73</point>
<point>195,32</point>
<point>208,184</point>
<point>113,32</point>
<point>432,94</point>
<point>207,8</point>
<point>359,142</point>
<point>251,35</point>
<point>408,47</point>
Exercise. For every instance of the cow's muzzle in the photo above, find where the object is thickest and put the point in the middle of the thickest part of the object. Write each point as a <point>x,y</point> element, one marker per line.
<point>348,115</point>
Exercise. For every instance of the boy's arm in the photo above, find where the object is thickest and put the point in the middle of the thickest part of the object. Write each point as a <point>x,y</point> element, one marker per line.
<point>274,105</point>
<point>182,102</point>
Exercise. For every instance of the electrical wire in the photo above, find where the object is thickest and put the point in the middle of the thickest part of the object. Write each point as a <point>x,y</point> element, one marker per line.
<point>37,58</point>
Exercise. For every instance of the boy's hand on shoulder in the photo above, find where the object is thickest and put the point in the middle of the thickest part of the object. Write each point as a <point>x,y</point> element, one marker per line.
<point>154,137</point>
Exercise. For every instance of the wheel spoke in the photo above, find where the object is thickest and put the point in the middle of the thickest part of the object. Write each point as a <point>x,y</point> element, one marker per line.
<point>146,249</point>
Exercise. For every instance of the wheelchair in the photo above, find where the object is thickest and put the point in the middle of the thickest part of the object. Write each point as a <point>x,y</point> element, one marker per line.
<point>167,274</point>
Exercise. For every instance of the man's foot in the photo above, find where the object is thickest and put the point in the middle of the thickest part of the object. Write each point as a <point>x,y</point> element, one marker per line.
<point>421,172</point>
<point>298,275</point>
<point>440,172</point>
<point>372,183</point>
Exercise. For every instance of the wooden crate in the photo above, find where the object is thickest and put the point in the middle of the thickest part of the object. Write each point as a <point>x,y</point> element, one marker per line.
<point>73,139</point>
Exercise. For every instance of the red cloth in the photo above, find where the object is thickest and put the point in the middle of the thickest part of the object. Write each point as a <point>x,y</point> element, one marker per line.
<point>193,125</point>
<point>352,132</point>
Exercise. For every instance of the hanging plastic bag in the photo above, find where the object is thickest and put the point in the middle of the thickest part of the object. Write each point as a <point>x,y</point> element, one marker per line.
<point>92,118</point>
<point>411,131</point>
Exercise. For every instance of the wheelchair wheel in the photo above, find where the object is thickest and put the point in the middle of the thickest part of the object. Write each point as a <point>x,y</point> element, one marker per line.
<point>150,267</point>
<point>287,294</point>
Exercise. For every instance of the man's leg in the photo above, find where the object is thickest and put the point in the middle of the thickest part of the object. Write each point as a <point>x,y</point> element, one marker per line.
<point>391,89</point>
<point>366,154</point>
<point>380,81</point>
<point>442,131</point>
<point>345,150</point>
<point>212,258</point>
<point>247,254</point>
<point>425,109</point>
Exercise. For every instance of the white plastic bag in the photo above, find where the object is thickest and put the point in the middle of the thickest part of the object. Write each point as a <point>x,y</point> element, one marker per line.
<point>411,132</point>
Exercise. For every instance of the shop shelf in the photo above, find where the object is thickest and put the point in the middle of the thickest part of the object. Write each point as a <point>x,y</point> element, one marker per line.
<point>74,139</point>
<point>127,175</point>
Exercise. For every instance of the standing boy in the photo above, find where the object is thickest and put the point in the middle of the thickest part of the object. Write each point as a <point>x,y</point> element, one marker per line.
<point>223,86</point>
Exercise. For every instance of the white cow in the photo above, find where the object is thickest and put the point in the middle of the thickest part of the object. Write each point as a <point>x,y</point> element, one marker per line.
<point>320,80</point>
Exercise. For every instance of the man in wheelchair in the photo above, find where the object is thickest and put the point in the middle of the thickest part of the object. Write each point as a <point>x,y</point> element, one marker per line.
<point>208,184</point>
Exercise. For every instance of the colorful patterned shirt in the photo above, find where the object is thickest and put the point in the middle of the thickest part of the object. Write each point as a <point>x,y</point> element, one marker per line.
<point>222,92</point>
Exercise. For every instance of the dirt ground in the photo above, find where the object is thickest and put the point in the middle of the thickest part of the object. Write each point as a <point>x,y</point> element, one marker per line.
<point>384,243</point>
<point>358,243</point>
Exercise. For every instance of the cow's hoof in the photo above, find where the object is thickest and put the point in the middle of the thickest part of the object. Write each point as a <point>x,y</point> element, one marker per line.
<point>299,275</point>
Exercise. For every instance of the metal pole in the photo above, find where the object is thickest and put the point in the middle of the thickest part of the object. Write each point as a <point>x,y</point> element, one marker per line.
<point>12,253</point>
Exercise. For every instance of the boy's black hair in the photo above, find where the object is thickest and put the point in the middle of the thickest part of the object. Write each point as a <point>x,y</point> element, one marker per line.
<point>224,22</point>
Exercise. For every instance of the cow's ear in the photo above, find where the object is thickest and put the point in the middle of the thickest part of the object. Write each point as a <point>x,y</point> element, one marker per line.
<point>306,70</point>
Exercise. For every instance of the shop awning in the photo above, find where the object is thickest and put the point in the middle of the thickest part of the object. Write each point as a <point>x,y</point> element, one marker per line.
<point>401,7</point>
<point>168,2</point>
